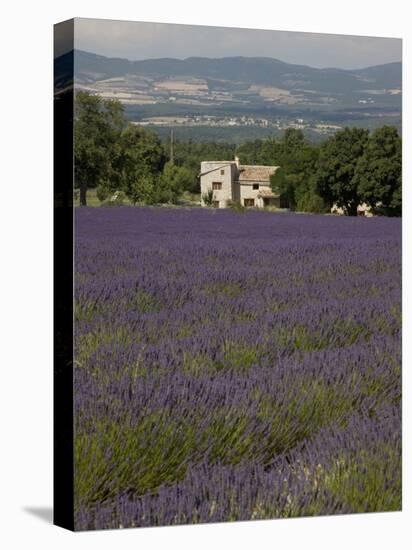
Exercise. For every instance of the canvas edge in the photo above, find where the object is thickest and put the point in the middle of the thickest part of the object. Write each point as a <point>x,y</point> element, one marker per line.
<point>63,263</point>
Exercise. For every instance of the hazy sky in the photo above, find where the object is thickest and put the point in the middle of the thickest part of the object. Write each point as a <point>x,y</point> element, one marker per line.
<point>133,40</point>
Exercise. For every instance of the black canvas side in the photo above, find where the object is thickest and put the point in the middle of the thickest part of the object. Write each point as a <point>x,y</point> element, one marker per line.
<point>63,514</point>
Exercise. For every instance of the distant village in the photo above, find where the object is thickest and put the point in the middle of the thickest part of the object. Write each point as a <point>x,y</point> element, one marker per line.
<point>238,121</point>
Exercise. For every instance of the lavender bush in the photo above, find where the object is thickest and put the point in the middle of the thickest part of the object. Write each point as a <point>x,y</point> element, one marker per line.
<point>235,367</point>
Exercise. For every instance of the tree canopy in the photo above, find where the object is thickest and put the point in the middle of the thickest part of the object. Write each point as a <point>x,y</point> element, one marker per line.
<point>142,161</point>
<point>378,174</point>
<point>97,129</point>
<point>297,160</point>
<point>335,176</point>
<point>347,169</point>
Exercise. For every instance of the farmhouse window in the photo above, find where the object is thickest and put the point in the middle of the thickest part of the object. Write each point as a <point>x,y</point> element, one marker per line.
<point>215,204</point>
<point>249,202</point>
<point>222,172</point>
<point>255,186</point>
<point>216,185</point>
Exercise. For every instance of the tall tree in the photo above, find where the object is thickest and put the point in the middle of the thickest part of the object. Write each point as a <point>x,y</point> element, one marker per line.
<point>293,139</point>
<point>250,152</point>
<point>142,161</point>
<point>378,174</point>
<point>335,177</point>
<point>175,180</point>
<point>297,160</point>
<point>97,127</point>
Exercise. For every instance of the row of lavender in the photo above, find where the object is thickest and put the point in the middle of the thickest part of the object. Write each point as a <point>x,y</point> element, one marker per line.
<point>235,366</point>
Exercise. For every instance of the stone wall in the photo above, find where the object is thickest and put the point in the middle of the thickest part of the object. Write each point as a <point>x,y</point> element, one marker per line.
<point>211,173</point>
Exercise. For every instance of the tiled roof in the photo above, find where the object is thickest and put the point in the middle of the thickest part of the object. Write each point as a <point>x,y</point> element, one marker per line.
<point>256,173</point>
<point>266,192</point>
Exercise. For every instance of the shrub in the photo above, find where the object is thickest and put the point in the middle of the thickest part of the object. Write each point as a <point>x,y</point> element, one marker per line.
<point>207,197</point>
<point>236,206</point>
<point>142,189</point>
<point>102,192</point>
<point>311,202</point>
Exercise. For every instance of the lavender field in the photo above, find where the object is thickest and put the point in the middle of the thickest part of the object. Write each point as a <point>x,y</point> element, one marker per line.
<point>235,366</point>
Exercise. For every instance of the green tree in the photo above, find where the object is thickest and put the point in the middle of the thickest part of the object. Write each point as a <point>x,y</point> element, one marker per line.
<point>297,161</point>
<point>293,139</point>
<point>208,197</point>
<point>250,152</point>
<point>97,127</point>
<point>142,189</point>
<point>175,180</point>
<point>378,174</point>
<point>311,202</point>
<point>285,185</point>
<point>335,178</point>
<point>141,162</point>
<point>102,192</point>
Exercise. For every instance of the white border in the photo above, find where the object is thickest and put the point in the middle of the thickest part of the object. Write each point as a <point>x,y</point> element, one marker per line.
<point>26,272</point>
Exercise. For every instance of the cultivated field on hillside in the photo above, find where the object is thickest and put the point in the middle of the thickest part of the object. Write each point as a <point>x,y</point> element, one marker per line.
<point>235,366</point>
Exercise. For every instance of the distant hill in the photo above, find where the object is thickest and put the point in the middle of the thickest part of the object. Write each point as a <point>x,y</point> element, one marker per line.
<point>239,96</point>
<point>252,70</point>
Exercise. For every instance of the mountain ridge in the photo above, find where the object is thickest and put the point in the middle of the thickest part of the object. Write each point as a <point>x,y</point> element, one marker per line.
<point>263,71</point>
<point>239,91</point>
<point>260,57</point>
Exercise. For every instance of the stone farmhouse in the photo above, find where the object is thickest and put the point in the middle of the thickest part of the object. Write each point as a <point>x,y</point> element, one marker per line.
<point>232,182</point>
